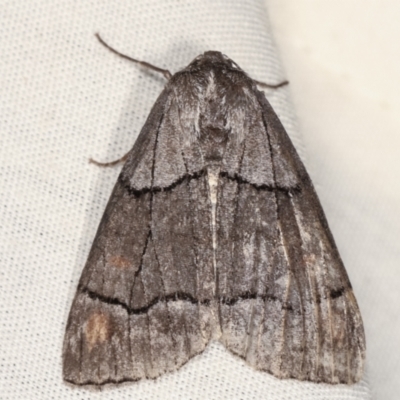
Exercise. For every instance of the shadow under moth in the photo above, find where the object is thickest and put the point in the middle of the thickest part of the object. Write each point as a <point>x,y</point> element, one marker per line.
<point>213,232</point>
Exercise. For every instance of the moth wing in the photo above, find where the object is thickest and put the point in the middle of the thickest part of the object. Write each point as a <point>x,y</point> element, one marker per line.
<point>286,303</point>
<point>140,309</point>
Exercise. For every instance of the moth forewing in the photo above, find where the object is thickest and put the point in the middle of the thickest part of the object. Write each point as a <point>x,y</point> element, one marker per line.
<point>248,260</point>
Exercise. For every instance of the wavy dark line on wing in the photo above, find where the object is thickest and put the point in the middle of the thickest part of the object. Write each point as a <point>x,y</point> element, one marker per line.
<point>181,296</point>
<point>236,178</point>
<point>138,192</point>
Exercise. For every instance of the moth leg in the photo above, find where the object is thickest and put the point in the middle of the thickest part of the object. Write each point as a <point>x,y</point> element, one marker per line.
<point>269,86</point>
<point>111,163</point>
<point>165,72</point>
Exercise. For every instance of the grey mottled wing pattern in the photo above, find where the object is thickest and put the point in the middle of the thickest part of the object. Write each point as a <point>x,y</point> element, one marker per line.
<point>213,230</point>
<point>142,304</point>
<point>286,304</point>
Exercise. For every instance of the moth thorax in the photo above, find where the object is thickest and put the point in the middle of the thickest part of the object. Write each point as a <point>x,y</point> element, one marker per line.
<point>213,142</point>
<point>213,135</point>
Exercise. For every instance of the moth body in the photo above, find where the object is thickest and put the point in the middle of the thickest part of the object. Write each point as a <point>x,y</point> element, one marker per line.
<point>213,231</point>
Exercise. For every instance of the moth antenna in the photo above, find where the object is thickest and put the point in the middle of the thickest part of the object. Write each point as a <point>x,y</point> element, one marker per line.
<point>111,163</point>
<point>269,86</point>
<point>145,64</point>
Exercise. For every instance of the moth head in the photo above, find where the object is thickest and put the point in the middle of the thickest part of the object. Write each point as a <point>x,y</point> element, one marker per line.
<point>213,58</point>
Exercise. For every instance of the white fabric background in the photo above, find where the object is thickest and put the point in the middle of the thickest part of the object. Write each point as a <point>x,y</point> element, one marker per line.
<point>65,98</point>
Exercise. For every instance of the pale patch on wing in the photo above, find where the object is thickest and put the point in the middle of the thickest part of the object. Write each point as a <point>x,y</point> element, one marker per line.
<point>97,329</point>
<point>119,261</point>
<point>213,175</point>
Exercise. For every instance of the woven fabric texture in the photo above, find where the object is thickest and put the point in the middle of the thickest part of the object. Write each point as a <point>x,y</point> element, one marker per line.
<point>64,99</point>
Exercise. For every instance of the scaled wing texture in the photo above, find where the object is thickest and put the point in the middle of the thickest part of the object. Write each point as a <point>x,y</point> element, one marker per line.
<point>213,231</point>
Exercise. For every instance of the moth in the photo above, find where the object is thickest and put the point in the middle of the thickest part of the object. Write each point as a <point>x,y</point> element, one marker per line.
<point>213,232</point>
